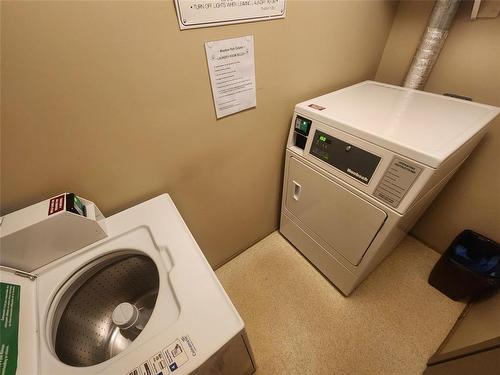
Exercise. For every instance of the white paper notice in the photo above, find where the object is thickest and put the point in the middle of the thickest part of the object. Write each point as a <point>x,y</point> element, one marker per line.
<point>232,74</point>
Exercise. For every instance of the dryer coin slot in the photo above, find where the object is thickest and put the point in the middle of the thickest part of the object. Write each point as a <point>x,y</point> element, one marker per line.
<point>300,140</point>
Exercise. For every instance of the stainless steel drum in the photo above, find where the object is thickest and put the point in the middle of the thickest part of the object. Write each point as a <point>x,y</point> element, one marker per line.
<point>104,308</point>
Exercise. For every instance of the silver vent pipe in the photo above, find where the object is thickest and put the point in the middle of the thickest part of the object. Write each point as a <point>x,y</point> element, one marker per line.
<point>432,41</point>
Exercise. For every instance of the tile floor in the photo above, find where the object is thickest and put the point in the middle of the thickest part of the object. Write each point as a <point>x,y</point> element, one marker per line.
<point>298,323</point>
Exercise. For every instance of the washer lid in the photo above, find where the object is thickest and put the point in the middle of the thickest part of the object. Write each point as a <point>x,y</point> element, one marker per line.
<point>18,303</point>
<point>423,126</point>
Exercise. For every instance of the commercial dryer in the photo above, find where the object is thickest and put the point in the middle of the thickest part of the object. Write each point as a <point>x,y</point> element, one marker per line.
<point>362,164</point>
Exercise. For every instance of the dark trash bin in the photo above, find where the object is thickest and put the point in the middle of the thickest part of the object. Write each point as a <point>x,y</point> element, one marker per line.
<point>469,268</point>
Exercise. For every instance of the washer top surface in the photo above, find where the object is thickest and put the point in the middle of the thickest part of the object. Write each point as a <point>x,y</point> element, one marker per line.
<point>423,126</point>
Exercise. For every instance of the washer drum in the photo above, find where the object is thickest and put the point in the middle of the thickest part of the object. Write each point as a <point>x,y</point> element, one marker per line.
<point>85,330</point>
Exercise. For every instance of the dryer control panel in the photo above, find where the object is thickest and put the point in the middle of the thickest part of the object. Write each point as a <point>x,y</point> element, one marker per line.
<point>347,158</point>
<point>391,179</point>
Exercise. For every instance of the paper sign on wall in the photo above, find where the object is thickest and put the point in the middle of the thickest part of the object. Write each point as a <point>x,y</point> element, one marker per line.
<point>232,74</point>
<point>205,13</point>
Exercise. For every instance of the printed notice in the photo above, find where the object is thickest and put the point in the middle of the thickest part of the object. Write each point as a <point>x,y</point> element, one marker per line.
<point>206,13</point>
<point>232,74</point>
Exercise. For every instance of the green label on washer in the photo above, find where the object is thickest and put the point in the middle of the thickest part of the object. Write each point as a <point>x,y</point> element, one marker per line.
<point>9,327</point>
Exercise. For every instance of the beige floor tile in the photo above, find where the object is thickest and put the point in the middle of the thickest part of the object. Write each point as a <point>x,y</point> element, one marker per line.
<point>298,323</point>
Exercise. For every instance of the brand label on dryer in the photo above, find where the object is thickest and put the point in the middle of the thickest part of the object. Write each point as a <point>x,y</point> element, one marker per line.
<point>169,359</point>
<point>396,181</point>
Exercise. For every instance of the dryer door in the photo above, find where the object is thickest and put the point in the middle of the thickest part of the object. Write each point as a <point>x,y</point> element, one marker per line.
<point>347,222</point>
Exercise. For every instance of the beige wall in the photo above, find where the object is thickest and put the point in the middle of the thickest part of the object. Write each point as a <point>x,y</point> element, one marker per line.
<point>469,65</point>
<point>112,101</point>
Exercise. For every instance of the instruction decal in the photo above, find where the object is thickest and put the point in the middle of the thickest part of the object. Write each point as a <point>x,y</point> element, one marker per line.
<point>9,328</point>
<point>169,359</point>
<point>159,363</point>
<point>56,204</point>
<point>397,181</point>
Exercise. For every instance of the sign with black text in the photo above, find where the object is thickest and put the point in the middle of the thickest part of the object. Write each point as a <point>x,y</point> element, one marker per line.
<point>205,13</point>
<point>232,74</point>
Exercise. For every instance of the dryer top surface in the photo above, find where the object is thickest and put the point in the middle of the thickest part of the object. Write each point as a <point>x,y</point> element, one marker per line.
<point>423,126</point>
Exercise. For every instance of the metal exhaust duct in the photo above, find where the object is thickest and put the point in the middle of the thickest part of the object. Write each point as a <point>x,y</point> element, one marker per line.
<point>432,41</point>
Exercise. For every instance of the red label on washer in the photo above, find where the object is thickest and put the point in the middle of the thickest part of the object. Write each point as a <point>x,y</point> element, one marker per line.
<point>56,204</point>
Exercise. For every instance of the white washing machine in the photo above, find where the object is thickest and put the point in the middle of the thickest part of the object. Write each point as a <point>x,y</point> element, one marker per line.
<point>142,300</point>
<point>362,164</point>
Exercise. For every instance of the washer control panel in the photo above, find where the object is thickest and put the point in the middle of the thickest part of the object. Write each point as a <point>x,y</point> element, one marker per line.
<point>351,160</point>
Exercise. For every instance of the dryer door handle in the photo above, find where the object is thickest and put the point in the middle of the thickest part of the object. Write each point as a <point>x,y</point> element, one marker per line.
<point>296,190</point>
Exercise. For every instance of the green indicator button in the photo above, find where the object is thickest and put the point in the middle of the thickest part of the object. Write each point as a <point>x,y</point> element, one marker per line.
<point>322,138</point>
<point>302,125</point>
